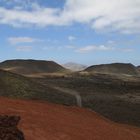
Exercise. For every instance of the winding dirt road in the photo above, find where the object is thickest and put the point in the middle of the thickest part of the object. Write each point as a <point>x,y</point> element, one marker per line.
<point>71,92</point>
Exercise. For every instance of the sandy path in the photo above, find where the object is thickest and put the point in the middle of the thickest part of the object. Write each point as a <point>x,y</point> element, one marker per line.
<point>71,92</point>
<point>68,91</point>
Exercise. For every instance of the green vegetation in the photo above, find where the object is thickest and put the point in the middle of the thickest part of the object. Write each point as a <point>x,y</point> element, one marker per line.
<point>16,86</point>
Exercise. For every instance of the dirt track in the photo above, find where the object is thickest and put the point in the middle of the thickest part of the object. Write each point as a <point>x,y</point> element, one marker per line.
<point>45,121</point>
<point>71,92</point>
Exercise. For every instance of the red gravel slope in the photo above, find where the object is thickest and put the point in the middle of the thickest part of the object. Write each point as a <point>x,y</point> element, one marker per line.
<point>45,121</point>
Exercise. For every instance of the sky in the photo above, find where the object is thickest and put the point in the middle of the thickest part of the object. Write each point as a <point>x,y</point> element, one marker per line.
<point>82,31</point>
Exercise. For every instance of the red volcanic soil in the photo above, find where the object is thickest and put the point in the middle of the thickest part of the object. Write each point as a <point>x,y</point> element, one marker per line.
<point>46,121</point>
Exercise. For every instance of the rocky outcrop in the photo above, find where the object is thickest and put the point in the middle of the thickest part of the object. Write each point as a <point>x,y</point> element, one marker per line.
<point>8,128</point>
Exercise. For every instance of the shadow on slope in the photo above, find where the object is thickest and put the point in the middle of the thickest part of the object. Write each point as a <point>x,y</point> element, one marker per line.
<point>32,67</point>
<point>17,86</point>
<point>115,68</point>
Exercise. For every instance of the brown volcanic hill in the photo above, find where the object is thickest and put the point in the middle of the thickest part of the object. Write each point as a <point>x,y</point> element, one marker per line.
<point>30,67</point>
<point>17,86</point>
<point>114,68</point>
<point>44,121</point>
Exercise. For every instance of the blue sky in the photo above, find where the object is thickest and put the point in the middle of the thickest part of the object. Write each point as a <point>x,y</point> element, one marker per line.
<point>87,32</point>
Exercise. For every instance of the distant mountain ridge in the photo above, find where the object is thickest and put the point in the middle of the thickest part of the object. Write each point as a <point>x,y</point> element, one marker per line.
<point>41,68</point>
<point>114,68</point>
<point>74,66</point>
<point>27,67</point>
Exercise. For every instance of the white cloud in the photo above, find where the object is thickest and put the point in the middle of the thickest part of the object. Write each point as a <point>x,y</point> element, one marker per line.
<point>121,15</point>
<point>71,38</point>
<point>112,15</point>
<point>41,17</point>
<point>19,40</point>
<point>23,48</point>
<point>92,48</point>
